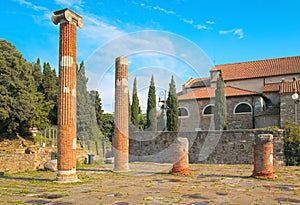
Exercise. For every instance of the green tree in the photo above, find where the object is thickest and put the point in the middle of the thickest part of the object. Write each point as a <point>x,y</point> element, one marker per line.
<point>42,110</point>
<point>84,114</point>
<point>172,105</point>
<point>151,107</point>
<point>97,104</point>
<point>37,74</point>
<point>88,109</point>
<point>108,126</point>
<point>142,121</point>
<point>292,144</point>
<point>220,112</point>
<point>49,87</point>
<point>135,107</point>
<point>18,99</point>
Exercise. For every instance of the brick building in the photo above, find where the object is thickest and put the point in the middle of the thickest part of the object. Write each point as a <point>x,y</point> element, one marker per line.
<point>258,94</point>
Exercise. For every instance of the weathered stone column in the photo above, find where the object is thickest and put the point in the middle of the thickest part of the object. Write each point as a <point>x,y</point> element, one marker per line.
<point>263,157</point>
<point>120,139</point>
<point>67,94</point>
<point>181,157</point>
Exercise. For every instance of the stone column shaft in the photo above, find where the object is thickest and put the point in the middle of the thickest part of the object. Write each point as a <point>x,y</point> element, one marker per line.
<point>120,139</point>
<point>67,94</point>
<point>181,157</point>
<point>263,157</point>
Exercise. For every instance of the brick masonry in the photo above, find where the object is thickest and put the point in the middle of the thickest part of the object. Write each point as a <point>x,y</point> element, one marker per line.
<point>227,147</point>
<point>120,139</point>
<point>67,94</point>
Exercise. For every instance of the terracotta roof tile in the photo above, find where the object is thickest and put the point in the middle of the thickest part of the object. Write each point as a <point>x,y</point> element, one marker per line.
<point>197,82</point>
<point>260,68</point>
<point>209,92</point>
<point>272,87</point>
<point>288,87</point>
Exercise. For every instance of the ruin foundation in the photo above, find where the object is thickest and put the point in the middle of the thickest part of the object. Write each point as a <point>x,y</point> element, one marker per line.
<point>180,157</point>
<point>263,157</point>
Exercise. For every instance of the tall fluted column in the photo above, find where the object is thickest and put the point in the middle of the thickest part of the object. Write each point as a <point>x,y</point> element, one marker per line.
<point>120,139</point>
<point>67,94</point>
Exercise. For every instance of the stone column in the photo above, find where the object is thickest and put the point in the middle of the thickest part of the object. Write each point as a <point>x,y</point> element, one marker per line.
<point>263,157</point>
<point>66,163</point>
<point>120,139</point>
<point>181,157</point>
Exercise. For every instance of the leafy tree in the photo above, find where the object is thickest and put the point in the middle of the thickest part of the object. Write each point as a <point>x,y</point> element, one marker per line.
<point>172,104</point>
<point>42,109</point>
<point>108,126</point>
<point>84,115</point>
<point>151,107</point>
<point>49,87</point>
<point>135,107</point>
<point>96,102</point>
<point>142,121</point>
<point>87,110</point>
<point>18,92</point>
<point>292,144</point>
<point>220,113</point>
<point>37,74</point>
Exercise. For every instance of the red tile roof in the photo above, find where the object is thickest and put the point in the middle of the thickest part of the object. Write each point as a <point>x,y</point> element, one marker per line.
<point>273,87</point>
<point>194,81</point>
<point>288,87</point>
<point>260,68</point>
<point>209,92</point>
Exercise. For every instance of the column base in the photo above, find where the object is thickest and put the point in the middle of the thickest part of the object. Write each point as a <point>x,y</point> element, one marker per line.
<point>124,168</point>
<point>67,176</point>
<point>264,175</point>
<point>180,170</point>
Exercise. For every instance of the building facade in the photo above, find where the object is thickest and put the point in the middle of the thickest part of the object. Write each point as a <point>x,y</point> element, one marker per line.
<point>258,94</point>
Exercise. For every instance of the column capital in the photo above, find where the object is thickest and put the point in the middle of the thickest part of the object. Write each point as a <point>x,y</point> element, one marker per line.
<point>67,16</point>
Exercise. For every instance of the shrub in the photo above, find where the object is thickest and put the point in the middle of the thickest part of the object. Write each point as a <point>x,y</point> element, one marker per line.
<point>292,144</point>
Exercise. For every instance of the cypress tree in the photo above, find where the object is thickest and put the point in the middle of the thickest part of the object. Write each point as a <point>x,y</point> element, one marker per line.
<point>135,107</point>
<point>83,104</point>
<point>37,74</point>
<point>220,113</point>
<point>151,107</point>
<point>96,101</point>
<point>86,113</point>
<point>49,88</point>
<point>172,104</point>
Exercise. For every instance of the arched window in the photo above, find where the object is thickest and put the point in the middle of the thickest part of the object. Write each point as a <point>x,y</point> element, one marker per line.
<point>183,112</point>
<point>242,108</point>
<point>208,109</point>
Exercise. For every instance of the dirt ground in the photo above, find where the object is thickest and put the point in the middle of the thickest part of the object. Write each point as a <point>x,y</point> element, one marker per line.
<point>150,183</point>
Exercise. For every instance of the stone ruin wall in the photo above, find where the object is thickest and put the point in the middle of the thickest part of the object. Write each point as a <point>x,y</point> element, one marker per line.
<point>227,147</point>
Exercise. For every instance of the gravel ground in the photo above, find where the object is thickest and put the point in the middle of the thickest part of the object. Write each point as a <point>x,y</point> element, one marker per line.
<point>150,183</point>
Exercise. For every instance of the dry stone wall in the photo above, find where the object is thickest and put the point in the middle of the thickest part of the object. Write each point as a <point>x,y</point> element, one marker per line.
<point>226,147</point>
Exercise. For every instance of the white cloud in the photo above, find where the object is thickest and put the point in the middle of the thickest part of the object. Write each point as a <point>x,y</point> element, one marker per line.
<point>236,32</point>
<point>163,10</point>
<point>178,57</point>
<point>187,21</point>
<point>201,27</point>
<point>210,22</point>
<point>32,6</point>
<point>68,2</point>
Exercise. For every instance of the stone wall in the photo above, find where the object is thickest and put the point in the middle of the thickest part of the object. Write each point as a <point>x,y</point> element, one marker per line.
<point>197,119</point>
<point>287,109</point>
<point>227,147</point>
<point>20,162</point>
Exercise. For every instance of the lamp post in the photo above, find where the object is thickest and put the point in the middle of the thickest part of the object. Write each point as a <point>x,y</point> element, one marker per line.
<point>295,97</point>
<point>163,99</point>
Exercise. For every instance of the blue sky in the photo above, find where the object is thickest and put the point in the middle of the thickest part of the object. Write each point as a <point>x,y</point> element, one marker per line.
<point>224,31</point>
